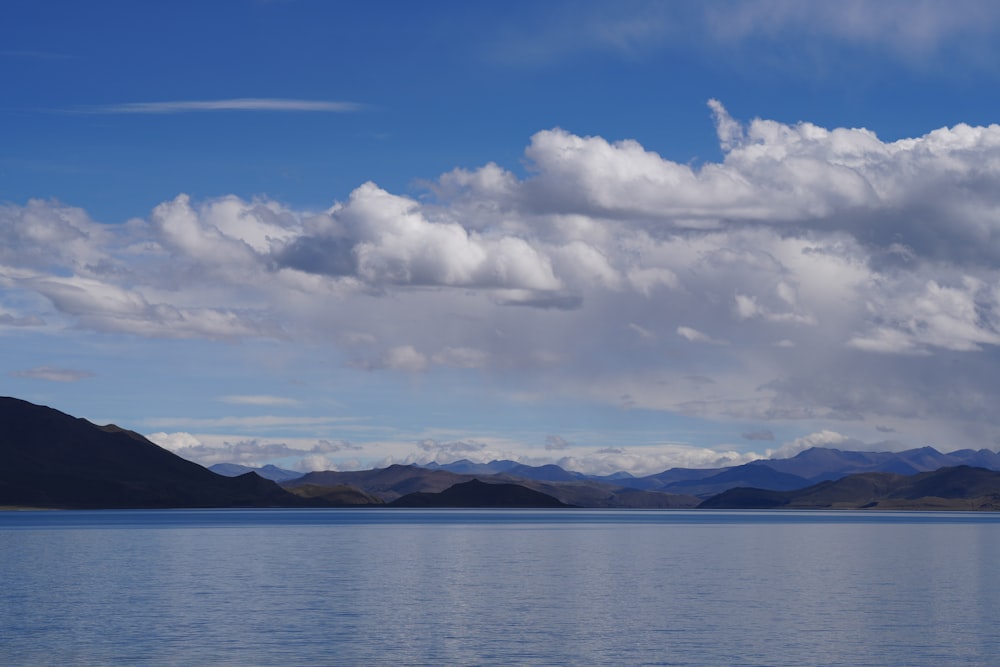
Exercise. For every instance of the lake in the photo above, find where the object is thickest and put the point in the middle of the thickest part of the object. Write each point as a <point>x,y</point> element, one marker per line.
<point>498,587</point>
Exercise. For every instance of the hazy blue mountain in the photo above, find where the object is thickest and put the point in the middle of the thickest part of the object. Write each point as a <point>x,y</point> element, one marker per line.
<point>545,473</point>
<point>467,467</point>
<point>755,474</point>
<point>821,463</point>
<point>983,458</point>
<point>809,466</point>
<point>271,472</point>
<point>664,479</point>
<point>953,488</point>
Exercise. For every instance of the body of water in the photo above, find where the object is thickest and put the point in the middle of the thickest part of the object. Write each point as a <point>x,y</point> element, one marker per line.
<point>496,587</point>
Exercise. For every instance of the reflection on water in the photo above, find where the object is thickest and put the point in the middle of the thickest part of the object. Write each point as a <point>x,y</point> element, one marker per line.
<point>358,587</point>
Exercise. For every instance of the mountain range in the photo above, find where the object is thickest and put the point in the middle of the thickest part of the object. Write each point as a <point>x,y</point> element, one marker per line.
<point>51,459</point>
<point>957,488</point>
<point>816,464</point>
<point>395,481</point>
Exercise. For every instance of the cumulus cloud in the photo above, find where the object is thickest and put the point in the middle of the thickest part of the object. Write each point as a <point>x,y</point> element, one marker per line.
<point>653,459</point>
<point>811,274</point>
<point>255,452</point>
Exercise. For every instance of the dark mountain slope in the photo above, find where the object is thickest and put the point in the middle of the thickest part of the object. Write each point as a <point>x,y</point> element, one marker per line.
<point>476,493</point>
<point>391,483</point>
<point>341,495</point>
<point>385,483</point>
<point>51,459</point>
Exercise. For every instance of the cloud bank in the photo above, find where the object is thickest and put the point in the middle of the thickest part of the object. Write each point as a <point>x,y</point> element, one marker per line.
<point>813,274</point>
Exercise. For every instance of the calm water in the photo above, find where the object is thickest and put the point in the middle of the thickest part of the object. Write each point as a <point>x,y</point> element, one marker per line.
<point>418,587</point>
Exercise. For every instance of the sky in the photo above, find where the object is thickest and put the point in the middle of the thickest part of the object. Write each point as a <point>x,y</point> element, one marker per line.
<point>614,236</point>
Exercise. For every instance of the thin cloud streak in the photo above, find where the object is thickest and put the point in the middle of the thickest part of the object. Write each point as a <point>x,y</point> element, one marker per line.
<point>263,421</point>
<point>238,104</point>
<point>240,399</point>
<point>52,374</point>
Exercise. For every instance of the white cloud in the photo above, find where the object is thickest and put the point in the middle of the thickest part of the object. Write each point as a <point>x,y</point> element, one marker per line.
<point>394,242</point>
<point>841,277</point>
<point>299,454</point>
<point>653,459</point>
<point>404,358</point>
<point>695,336</point>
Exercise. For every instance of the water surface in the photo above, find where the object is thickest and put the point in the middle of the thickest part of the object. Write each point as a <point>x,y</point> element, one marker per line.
<point>495,587</point>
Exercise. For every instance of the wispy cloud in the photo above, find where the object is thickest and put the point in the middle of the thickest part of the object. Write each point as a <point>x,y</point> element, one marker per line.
<point>259,422</point>
<point>256,400</point>
<point>237,104</point>
<point>907,31</point>
<point>6,319</point>
<point>52,374</point>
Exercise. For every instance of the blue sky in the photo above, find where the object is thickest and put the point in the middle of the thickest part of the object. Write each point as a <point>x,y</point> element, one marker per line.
<point>614,236</point>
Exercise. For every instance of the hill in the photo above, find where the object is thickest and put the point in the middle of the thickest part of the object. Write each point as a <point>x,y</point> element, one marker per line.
<point>51,459</point>
<point>340,495</point>
<point>955,488</point>
<point>476,493</point>
<point>387,484</point>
